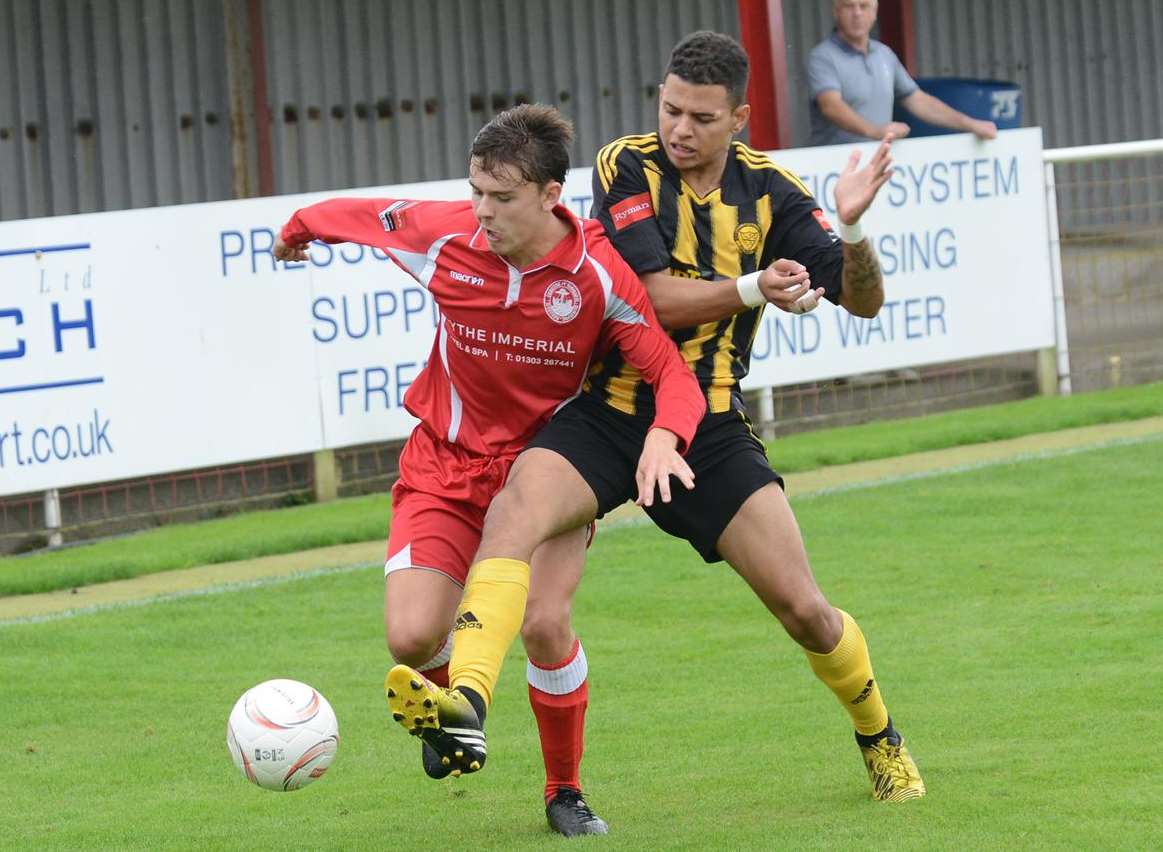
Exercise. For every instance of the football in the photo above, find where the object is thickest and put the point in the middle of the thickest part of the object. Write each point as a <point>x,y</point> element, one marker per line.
<point>282,734</point>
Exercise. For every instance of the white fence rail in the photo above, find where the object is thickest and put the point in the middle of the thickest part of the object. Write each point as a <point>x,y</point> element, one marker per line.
<point>1082,154</point>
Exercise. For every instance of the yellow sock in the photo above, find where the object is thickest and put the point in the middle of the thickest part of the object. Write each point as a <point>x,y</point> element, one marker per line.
<point>487,622</point>
<point>847,671</point>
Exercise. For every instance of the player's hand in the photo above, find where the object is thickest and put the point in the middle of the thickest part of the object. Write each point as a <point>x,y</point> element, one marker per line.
<point>294,252</point>
<point>855,188</point>
<point>657,464</point>
<point>787,285</point>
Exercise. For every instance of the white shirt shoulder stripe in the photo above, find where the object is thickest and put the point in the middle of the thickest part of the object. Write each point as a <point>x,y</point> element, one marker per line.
<point>421,266</point>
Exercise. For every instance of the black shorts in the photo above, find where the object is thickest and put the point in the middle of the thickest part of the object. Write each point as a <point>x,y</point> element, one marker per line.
<point>603,445</point>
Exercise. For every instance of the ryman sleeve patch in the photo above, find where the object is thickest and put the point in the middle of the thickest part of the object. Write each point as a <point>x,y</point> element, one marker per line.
<point>630,210</point>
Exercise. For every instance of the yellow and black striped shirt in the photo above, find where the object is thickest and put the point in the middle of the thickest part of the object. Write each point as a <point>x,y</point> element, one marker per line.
<point>759,212</point>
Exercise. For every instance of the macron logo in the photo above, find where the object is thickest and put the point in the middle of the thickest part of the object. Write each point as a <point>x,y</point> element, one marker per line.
<point>630,210</point>
<point>474,280</point>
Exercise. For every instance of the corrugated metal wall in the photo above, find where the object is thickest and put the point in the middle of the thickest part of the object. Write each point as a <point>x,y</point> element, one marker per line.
<point>126,103</point>
<point>1090,72</point>
<point>107,105</point>
<point>369,92</point>
<point>805,24</point>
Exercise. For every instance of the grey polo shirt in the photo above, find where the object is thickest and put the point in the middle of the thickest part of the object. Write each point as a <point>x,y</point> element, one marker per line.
<point>869,83</point>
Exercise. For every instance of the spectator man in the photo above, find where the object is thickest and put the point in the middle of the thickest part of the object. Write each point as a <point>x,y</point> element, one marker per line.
<point>855,80</point>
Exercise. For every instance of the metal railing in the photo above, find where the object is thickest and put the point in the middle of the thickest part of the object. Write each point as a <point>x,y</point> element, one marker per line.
<point>1105,204</point>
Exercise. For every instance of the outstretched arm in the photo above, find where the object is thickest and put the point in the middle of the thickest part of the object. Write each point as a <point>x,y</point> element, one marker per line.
<point>336,220</point>
<point>862,283</point>
<point>384,223</point>
<point>935,111</point>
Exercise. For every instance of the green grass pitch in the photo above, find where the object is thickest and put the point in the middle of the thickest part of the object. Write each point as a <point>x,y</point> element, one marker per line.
<point>253,534</point>
<point>1014,617</point>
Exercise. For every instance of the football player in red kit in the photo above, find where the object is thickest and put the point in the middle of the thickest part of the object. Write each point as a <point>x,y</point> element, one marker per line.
<point>716,231</point>
<point>529,295</point>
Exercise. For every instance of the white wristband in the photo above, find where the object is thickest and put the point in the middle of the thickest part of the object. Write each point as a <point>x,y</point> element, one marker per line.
<point>851,233</point>
<point>749,292</point>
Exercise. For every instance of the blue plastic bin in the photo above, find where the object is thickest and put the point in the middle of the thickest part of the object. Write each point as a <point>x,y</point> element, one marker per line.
<point>992,100</point>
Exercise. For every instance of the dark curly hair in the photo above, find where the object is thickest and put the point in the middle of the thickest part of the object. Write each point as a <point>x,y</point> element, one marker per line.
<point>711,59</point>
<point>533,137</point>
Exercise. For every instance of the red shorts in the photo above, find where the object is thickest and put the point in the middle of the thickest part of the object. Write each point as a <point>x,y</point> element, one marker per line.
<point>439,504</point>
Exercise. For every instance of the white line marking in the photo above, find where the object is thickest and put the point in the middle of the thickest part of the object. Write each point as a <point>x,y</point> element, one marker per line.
<point>1040,455</point>
<point>218,589</point>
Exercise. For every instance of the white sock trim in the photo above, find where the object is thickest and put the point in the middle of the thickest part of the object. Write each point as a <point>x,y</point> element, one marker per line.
<point>559,681</point>
<point>442,656</point>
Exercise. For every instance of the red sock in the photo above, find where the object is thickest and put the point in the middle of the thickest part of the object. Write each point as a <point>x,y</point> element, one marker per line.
<point>436,669</point>
<point>438,675</point>
<point>559,694</point>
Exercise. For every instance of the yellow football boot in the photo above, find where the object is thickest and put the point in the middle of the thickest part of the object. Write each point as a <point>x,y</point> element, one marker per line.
<point>891,769</point>
<point>443,718</point>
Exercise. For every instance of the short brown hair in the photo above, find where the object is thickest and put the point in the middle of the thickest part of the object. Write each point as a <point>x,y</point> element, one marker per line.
<point>533,137</point>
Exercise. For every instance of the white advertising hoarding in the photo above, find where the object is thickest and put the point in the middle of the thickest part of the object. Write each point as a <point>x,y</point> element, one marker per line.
<point>147,341</point>
<point>962,237</point>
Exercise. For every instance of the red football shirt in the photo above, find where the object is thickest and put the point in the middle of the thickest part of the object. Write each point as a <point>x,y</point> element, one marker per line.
<point>513,345</point>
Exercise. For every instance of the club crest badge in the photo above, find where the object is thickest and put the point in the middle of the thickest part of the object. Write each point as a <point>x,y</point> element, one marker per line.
<point>747,237</point>
<point>562,301</point>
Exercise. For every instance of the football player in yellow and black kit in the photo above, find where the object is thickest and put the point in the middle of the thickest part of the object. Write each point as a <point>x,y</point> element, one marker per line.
<point>717,230</point>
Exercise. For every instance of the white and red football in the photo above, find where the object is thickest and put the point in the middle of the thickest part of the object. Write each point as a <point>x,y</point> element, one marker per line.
<point>282,734</point>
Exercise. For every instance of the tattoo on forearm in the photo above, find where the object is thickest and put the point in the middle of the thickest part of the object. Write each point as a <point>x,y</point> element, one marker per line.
<point>861,268</point>
<point>862,282</point>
